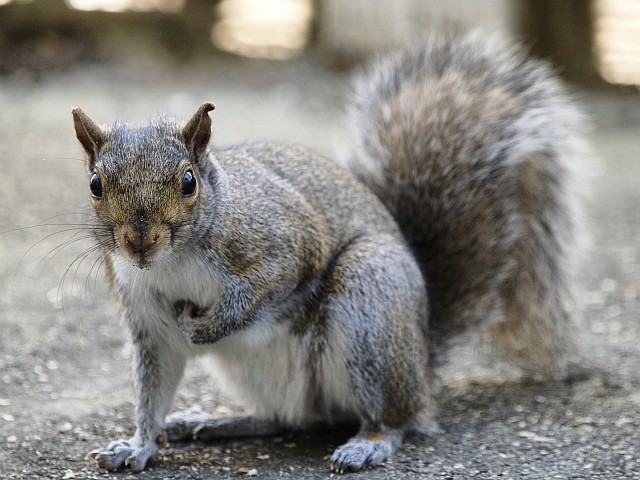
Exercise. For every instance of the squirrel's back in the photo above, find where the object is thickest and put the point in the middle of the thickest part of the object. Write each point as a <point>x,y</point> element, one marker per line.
<point>474,149</point>
<point>346,209</point>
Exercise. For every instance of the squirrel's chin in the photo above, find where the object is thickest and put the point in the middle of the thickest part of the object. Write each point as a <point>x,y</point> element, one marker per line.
<point>142,263</point>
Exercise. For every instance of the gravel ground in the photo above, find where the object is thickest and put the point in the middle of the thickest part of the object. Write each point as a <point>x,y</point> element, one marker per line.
<point>64,362</point>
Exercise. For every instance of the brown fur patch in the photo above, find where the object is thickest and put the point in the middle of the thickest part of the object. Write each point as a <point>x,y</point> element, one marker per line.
<point>375,437</point>
<point>240,259</point>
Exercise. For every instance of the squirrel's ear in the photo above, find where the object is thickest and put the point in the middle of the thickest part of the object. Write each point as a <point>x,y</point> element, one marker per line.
<point>197,131</point>
<point>89,135</point>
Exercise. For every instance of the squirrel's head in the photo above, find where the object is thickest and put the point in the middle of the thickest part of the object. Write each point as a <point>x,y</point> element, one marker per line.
<point>145,182</point>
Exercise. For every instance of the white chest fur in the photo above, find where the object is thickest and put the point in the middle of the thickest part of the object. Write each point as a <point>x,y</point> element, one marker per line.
<point>187,278</point>
<point>276,373</point>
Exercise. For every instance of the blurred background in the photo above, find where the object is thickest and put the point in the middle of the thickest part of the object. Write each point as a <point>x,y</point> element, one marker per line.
<point>592,41</point>
<point>279,70</point>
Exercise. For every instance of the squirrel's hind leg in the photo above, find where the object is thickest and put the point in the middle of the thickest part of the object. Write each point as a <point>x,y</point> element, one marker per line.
<point>197,425</point>
<point>375,296</point>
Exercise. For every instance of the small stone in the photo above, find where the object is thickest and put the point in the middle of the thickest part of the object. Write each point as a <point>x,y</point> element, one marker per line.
<point>53,296</point>
<point>223,410</point>
<point>243,471</point>
<point>630,293</point>
<point>608,285</point>
<point>66,427</point>
<point>52,365</point>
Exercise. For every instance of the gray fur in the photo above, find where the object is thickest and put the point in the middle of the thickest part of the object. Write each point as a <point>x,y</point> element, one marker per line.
<point>297,281</point>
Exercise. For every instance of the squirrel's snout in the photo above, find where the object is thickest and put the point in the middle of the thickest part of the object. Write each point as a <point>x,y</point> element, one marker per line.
<point>140,245</point>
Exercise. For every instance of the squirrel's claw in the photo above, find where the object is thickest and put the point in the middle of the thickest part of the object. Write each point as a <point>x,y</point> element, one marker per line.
<point>122,453</point>
<point>110,460</point>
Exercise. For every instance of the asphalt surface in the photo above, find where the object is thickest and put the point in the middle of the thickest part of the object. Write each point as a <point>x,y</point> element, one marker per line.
<point>65,365</point>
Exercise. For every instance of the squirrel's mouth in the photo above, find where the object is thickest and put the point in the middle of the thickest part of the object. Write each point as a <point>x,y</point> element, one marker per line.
<point>142,260</point>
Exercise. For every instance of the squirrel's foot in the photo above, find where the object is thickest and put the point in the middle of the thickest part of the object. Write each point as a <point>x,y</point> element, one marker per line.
<point>365,450</point>
<point>124,452</point>
<point>195,424</point>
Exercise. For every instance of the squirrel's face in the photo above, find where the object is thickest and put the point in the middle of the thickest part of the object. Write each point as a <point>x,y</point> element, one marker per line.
<point>145,184</point>
<point>144,202</point>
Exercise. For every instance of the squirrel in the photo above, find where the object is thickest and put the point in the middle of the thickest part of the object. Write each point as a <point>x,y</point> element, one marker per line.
<point>321,293</point>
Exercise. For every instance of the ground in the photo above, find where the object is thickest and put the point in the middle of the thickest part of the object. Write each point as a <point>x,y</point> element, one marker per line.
<point>65,366</point>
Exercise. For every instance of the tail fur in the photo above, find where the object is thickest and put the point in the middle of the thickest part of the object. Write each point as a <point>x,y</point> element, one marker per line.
<point>475,151</point>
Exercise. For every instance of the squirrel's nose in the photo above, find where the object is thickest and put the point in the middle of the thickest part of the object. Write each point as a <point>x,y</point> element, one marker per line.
<point>139,245</point>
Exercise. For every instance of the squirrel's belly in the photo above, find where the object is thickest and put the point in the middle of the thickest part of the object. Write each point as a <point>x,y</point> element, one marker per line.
<point>281,375</point>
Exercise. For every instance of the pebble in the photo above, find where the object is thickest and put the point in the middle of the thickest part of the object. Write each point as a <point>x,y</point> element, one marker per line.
<point>244,471</point>
<point>608,285</point>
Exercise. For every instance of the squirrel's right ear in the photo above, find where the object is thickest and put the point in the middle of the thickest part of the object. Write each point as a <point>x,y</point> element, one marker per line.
<point>197,131</point>
<point>89,135</point>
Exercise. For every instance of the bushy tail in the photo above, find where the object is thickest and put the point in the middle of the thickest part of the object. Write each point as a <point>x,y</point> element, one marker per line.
<point>475,150</point>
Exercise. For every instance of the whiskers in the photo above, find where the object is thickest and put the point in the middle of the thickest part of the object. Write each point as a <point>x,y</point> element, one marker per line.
<point>103,248</point>
<point>89,260</point>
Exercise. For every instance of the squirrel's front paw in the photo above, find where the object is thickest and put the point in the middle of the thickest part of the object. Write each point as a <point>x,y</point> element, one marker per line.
<point>187,316</point>
<point>123,452</point>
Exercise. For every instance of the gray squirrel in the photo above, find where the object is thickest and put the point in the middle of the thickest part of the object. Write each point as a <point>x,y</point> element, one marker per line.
<point>320,295</point>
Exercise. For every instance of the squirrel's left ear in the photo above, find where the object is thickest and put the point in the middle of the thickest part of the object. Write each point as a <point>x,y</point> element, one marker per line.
<point>197,131</point>
<point>89,135</point>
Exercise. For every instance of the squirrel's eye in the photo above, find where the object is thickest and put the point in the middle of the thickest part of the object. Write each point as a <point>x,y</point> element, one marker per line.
<point>188,183</point>
<point>95,184</point>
